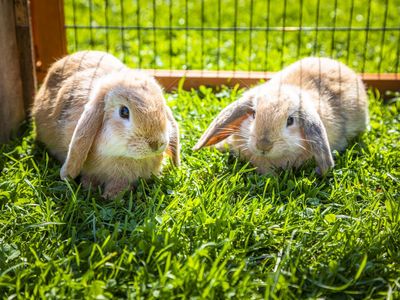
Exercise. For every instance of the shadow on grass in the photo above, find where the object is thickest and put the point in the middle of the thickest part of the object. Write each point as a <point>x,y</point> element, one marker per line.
<point>85,214</point>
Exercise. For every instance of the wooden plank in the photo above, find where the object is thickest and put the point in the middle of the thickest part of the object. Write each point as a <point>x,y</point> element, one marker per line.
<point>25,49</point>
<point>382,82</point>
<point>48,33</point>
<point>169,79</point>
<point>11,93</point>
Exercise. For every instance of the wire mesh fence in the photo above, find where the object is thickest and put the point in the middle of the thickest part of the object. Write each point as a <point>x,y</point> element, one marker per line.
<point>238,35</point>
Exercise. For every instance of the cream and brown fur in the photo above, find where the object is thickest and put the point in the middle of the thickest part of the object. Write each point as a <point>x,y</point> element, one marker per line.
<point>307,110</point>
<point>77,116</point>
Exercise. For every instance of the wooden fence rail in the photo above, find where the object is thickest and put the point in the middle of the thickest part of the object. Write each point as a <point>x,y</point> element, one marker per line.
<point>169,79</point>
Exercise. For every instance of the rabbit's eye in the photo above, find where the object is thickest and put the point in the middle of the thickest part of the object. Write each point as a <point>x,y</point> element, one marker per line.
<point>254,114</point>
<point>289,121</point>
<point>124,112</point>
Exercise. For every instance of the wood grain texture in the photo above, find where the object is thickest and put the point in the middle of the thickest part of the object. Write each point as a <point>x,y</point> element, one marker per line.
<point>25,49</point>
<point>170,79</point>
<point>48,33</point>
<point>11,92</point>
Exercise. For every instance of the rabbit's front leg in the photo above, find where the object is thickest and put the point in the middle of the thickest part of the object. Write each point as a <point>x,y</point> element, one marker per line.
<point>113,188</point>
<point>88,181</point>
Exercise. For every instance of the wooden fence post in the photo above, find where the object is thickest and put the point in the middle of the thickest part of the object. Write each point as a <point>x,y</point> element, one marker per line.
<point>48,33</point>
<point>12,110</point>
<point>25,48</point>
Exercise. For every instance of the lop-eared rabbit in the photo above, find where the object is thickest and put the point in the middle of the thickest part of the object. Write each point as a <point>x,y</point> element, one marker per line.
<point>104,121</point>
<point>310,108</point>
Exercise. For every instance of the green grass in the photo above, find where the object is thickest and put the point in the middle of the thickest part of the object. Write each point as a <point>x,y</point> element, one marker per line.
<point>213,228</point>
<point>365,50</point>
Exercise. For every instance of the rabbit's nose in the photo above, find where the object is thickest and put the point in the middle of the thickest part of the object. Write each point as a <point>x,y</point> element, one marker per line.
<point>264,144</point>
<point>157,145</point>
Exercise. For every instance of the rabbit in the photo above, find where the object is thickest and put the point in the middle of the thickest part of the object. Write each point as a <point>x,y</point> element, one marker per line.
<point>307,110</point>
<point>104,121</point>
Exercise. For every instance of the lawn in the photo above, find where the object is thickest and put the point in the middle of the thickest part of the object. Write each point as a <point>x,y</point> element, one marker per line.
<point>213,228</point>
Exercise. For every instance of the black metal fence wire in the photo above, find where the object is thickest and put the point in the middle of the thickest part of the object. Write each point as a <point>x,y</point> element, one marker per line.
<point>238,35</point>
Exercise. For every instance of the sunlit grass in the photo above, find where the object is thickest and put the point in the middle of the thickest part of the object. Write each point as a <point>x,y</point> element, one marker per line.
<point>213,228</point>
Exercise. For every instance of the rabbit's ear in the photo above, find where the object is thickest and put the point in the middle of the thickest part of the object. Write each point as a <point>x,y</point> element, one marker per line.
<point>317,139</point>
<point>173,149</point>
<point>84,134</point>
<point>227,122</point>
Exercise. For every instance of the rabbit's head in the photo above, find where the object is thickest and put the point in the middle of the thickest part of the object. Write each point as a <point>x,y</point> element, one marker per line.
<point>275,129</point>
<point>135,119</point>
<point>278,123</point>
<point>126,116</point>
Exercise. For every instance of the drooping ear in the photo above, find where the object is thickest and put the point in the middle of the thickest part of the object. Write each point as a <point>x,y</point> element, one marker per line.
<point>173,149</point>
<point>317,139</point>
<point>84,134</point>
<point>227,122</point>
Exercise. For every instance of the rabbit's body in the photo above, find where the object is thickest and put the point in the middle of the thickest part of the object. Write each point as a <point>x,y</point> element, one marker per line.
<point>324,101</point>
<point>338,94</point>
<point>79,103</point>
